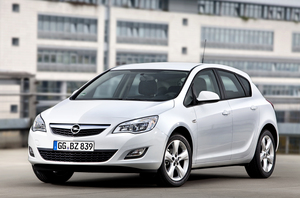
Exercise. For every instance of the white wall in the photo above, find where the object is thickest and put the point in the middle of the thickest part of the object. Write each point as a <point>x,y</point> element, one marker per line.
<point>24,26</point>
<point>190,36</point>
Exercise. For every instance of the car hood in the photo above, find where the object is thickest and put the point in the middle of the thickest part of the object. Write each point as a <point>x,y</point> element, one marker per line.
<point>103,111</point>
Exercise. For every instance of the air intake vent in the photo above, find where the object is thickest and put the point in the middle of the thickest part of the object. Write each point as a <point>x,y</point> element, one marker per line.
<point>76,156</point>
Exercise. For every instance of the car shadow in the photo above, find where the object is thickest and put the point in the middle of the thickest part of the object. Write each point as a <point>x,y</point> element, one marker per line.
<point>204,177</point>
<point>135,181</point>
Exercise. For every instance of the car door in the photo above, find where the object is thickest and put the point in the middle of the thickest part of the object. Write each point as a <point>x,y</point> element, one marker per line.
<point>244,111</point>
<point>214,121</point>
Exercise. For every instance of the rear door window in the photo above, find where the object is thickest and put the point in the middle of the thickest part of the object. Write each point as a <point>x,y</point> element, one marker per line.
<point>233,88</point>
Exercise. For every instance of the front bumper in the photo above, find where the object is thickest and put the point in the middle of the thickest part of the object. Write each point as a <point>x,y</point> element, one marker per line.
<point>91,168</point>
<point>122,143</point>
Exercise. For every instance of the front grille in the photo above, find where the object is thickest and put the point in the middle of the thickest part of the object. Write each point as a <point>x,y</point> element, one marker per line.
<point>76,156</point>
<point>85,130</point>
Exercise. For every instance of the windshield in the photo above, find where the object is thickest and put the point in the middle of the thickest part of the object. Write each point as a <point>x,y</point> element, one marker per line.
<point>144,85</point>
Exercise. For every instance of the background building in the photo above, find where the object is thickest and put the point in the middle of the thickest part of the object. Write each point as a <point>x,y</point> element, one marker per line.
<point>64,43</point>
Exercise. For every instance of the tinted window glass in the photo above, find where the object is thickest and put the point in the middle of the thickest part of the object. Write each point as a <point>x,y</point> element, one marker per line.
<point>233,89</point>
<point>144,85</point>
<point>107,89</point>
<point>204,81</point>
<point>246,84</point>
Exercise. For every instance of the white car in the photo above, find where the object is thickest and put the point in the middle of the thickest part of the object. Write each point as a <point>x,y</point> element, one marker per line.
<point>159,118</point>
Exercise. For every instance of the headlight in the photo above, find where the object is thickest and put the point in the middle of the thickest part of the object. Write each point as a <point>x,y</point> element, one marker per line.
<point>39,124</point>
<point>140,125</point>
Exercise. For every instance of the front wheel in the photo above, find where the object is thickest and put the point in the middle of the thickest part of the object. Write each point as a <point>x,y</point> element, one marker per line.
<point>263,162</point>
<point>176,166</point>
<point>52,176</point>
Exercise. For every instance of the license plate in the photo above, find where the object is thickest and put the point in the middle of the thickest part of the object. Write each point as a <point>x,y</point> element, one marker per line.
<point>73,146</point>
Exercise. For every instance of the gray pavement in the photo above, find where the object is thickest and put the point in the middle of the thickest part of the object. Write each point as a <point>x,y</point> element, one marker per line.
<point>18,180</point>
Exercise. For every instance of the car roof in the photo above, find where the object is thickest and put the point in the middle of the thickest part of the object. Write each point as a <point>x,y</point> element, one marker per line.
<point>180,66</point>
<point>159,66</point>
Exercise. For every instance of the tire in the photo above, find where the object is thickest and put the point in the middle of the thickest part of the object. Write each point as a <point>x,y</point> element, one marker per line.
<point>263,162</point>
<point>176,164</point>
<point>52,176</point>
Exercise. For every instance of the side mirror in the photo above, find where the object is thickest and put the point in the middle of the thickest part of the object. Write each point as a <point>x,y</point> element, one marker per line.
<point>208,96</point>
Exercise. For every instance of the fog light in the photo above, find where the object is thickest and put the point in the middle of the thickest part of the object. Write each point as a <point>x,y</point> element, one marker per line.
<point>136,153</point>
<point>31,151</point>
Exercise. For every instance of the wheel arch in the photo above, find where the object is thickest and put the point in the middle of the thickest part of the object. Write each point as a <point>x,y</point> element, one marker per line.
<point>185,133</point>
<point>272,129</point>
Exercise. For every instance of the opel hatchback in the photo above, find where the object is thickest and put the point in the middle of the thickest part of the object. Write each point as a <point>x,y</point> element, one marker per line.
<point>157,118</point>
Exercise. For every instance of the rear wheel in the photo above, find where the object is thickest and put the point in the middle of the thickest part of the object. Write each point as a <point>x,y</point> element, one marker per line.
<point>52,176</point>
<point>263,162</point>
<point>176,166</point>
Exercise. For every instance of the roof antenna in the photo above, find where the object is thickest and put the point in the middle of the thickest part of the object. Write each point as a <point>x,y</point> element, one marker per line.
<point>203,51</point>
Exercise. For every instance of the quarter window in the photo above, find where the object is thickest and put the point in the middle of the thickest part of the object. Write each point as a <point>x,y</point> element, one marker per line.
<point>233,89</point>
<point>246,85</point>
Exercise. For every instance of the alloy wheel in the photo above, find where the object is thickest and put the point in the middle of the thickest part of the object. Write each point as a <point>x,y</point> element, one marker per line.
<point>176,160</point>
<point>267,153</point>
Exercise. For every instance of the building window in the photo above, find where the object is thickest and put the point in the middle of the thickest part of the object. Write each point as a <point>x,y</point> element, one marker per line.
<point>206,7</point>
<point>281,90</point>
<point>280,116</point>
<point>248,10</point>
<point>253,11</point>
<point>15,41</point>
<point>184,50</point>
<point>260,68</point>
<point>66,60</point>
<point>105,60</point>
<point>230,9</point>
<point>135,57</point>
<point>296,42</point>
<point>142,4</point>
<point>49,86</point>
<point>106,31</point>
<point>294,117</point>
<point>14,108</point>
<point>67,28</point>
<point>296,17</point>
<point>94,2</point>
<point>237,38</point>
<point>295,14</point>
<point>15,7</point>
<point>142,33</point>
<point>56,88</point>
<point>185,21</point>
<point>294,146</point>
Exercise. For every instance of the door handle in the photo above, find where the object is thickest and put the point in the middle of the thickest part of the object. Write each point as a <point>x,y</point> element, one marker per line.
<point>225,113</point>
<point>253,107</point>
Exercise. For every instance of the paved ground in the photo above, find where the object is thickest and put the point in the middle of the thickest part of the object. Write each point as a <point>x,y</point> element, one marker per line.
<point>18,180</point>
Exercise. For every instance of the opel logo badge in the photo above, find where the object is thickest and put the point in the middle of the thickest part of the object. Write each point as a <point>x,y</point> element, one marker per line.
<point>75,129</point>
